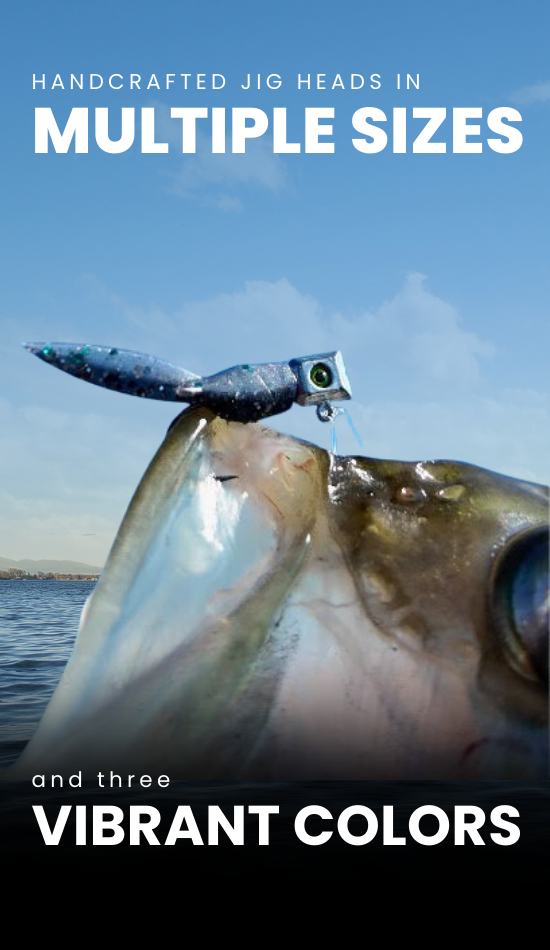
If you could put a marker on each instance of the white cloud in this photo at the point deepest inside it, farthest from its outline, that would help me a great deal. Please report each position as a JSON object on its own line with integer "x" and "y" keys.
{"x": 423, "y": 336}
{"x": 152, "y": 320}
{"x": 212, "y": 177}
{"x": 538, "y": 92}
{"x": 226, "y": 202}
{"x": 66, "y": 478}
{"x": 416, "y": 333}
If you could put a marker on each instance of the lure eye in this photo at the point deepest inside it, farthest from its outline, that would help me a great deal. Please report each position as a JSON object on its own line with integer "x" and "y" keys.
{"x": 521, "y": 602}
{"x": 320, "y": 375}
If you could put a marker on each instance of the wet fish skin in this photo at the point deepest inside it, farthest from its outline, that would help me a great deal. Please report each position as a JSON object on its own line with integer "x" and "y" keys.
{"x": 309, "y": 617}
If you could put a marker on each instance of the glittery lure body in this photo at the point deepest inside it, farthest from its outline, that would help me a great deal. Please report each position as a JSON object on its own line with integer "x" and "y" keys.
{"x": 244, "y": 393}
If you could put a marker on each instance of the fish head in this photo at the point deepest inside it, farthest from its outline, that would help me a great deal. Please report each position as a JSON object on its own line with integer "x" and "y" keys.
{"x": 450, "y": 562}
{"x": 272, "y": 611}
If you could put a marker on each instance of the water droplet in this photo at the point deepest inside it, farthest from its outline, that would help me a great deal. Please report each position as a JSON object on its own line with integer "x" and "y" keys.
{"x": 47, "y": 351}
{"x": 407, "y": 494}
{"x": 113, "y": 352}
{"x": 451, "y": 492}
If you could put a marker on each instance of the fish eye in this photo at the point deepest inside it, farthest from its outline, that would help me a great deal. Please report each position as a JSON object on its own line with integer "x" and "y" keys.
{"x": 521, "y": 602}
{"x": 320, "y": 375}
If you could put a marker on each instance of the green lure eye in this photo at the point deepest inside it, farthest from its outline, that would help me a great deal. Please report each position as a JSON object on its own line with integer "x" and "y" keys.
{"x": 320, "y": 375}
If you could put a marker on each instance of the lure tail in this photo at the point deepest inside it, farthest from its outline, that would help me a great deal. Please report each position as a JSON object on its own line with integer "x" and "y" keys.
{"x": 122, "y": 370}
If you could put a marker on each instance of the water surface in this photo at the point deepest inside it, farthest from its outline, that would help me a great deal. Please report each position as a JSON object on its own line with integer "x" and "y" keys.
{"x": 38, "y": 625}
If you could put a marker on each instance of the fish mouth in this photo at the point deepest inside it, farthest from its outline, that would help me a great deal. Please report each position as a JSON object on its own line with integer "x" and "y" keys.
{"x": 270, "y": 611}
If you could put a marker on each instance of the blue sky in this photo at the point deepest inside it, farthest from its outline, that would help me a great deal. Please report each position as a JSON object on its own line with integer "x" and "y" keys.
{"x": 429, "y": 272}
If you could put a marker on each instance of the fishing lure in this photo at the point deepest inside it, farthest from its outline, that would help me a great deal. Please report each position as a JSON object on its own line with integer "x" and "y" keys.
{"x": 241, "y": 393}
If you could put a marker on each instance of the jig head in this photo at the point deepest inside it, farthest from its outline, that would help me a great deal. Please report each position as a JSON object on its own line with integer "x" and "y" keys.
{"x": 242, "y": 393}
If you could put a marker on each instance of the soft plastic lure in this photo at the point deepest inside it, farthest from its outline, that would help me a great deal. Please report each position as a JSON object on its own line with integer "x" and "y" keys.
{"x": 242, "y": 393}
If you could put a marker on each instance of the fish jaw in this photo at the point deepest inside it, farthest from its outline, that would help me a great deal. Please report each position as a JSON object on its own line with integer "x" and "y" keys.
{"x": 270, "y": 611}
{"x": 211, "y": 542}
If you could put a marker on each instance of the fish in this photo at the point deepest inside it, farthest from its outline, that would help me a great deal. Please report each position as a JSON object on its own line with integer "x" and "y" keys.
{"x": 273, "y": 611}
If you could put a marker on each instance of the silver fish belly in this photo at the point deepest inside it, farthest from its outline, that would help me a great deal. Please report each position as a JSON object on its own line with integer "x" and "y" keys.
{"x": 271, "y": 611}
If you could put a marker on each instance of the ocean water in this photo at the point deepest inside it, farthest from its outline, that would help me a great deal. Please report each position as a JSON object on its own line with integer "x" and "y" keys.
{"x": 38, "y": 625}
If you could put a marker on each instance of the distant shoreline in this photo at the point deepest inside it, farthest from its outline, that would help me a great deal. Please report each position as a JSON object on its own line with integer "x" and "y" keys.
{"x": 51, "y": 577}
